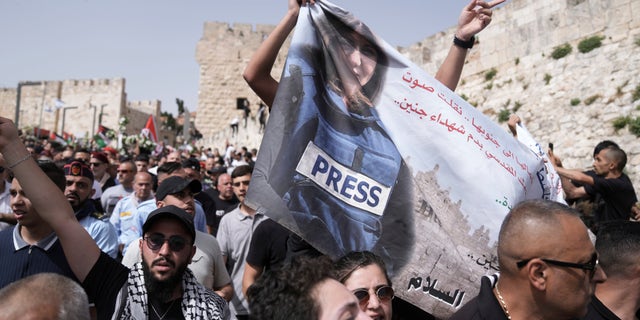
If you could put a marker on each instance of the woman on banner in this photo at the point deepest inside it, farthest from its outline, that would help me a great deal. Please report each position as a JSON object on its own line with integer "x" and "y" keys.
{"x": 338, "y": 172}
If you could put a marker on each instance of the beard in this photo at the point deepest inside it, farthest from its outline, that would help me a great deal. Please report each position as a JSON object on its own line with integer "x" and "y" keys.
{"x": 162, "y": 290}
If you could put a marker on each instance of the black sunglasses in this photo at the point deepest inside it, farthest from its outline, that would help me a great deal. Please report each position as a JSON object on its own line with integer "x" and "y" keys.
{"x": 156, "y": 241}
{"x": 590, "y": 266}
{"x": 384, "y": 293}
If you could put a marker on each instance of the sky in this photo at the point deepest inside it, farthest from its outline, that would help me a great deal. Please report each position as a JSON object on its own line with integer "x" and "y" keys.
{"x": 152, "y": 43}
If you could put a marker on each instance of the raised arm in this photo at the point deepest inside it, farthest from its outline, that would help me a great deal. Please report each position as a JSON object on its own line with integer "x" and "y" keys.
{"x": 80, "y": 249}
{"x": 569, "y": 175}
{"x": 474, "y": 18}
{"x": 258, "y": 71}
{"x": 514, "y": 120}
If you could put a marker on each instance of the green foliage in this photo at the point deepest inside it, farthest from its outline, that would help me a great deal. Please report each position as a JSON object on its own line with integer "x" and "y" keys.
{"x": 170, "y": 122}
{"x": 590, "y": 43}
{"x": 636, "y": 94}
{"x": 503, "y": 115}
{"x": 516, "y": 106}
{"x": 547, "y": 78}
{"x": 634, "y": 126}
{"x": 464, "y": 97}
{"x": 490, "y": 74}
{"x": 592, "y": 99}
{"x": 517, "y": 61}
{"x": 632, "y": 123}
{"x": 488, "y": 86}
{"x": 637, "y": 42}
{"x": 575, "y": 102}
{"x": 561, "y": 51}
{"x": 620, "y": 122}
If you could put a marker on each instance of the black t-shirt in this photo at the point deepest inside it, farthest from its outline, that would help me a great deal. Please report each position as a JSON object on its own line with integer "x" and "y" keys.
{"x": 484, "y": 306}
{"x": 165, "y": 310}
{"x": 268, "y": 247}
{"x": 208, "y": 205}
{"x": 222, "y": 207}
{"x": 598, "y": 311}
{"x": 613, "y": 198}
{"x": 104, "y": 282}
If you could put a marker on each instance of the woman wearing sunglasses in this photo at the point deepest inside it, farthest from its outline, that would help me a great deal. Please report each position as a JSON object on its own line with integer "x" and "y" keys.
{"x": 365, "y": 274}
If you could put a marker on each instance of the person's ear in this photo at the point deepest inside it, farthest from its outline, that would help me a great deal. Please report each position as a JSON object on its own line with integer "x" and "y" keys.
{"x": 538, "y": 273}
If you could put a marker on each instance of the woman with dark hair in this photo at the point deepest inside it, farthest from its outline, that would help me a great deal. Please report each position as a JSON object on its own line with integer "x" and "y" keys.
{"x": 365, "y": 274}
{"x": 304, "y": 289}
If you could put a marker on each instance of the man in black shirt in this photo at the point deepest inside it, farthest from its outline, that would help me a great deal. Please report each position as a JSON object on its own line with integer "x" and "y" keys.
{"x": 225, "y": 201}
{"x": 612, "y": 189}
{"x": 548, "y": 267}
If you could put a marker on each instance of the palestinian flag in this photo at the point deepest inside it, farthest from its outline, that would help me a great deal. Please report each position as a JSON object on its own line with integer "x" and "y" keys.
{"x": 101, "y": 138}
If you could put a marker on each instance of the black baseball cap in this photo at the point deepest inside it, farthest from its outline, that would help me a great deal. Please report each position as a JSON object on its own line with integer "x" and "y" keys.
{"x": 170, "y": 212}
{"x": 176, "y": 184}
{"x": 217, "y": 170}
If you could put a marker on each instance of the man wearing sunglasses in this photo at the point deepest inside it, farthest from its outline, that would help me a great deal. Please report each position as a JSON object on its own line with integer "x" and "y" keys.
{"x": 207, "y": 264}
{"x": 548, "y": 267}
{"x": 118, "y": 292}
{"x": 618, "y": 244}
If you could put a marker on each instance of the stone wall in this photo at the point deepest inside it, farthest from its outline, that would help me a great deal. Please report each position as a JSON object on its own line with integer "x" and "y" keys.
{"x": 88, "y": 103}
{"x": 223, "y": 52}
{"x": 517, "y": 44}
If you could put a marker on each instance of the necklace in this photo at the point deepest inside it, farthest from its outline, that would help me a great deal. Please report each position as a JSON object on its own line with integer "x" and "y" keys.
{"x": 502, "y": 303}
{"x": 165, "y": 312}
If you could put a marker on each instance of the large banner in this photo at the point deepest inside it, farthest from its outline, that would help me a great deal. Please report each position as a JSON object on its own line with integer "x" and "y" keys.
{"x": 365, "y": 151}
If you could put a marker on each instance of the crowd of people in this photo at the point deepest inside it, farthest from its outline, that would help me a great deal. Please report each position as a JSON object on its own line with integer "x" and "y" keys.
{"x": 90, "y": 233}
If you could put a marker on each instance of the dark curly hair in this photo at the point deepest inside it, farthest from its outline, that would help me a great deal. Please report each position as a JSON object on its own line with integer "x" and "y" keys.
{"x": 287, "y": 293}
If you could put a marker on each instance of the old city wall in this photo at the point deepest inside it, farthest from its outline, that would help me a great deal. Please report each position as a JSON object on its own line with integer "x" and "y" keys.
{"x": 84, "y": 101}
{"x": 88, "y": 103}
{"x": 223, "y": 52}
{"x": 517, "y": 45}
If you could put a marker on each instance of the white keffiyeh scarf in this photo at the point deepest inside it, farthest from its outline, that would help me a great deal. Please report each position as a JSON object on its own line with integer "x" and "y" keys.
{"x": 198, "y": 302}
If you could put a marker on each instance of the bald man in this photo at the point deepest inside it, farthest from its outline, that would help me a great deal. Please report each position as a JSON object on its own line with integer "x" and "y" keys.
{"x": 548, "y": 267}
{"x": 44, "y": 296}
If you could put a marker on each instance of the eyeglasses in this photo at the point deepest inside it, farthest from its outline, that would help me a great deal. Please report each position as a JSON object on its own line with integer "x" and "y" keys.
{"x": 156, "y": 241}
{"x": 95, "y": 164}
{"x": 244, "y": 183}
{"x": 590, "y": 266}
{"x": 384, "y": 293}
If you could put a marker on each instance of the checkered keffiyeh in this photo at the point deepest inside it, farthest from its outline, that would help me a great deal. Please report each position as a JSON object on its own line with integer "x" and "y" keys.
{"x": 198, "y": 302}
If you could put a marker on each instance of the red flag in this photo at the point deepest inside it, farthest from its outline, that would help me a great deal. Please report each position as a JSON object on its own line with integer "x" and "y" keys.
{"x": 150, "y": 129}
